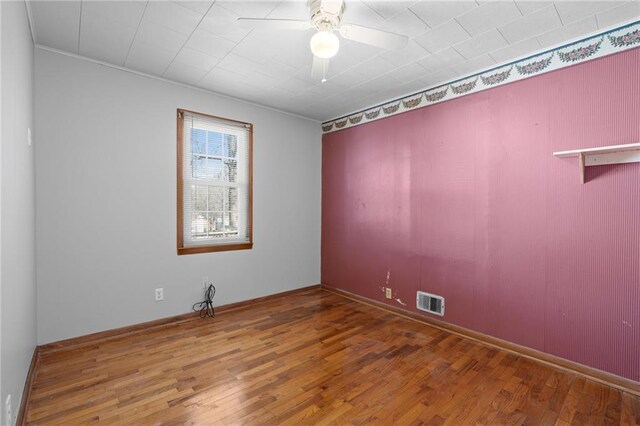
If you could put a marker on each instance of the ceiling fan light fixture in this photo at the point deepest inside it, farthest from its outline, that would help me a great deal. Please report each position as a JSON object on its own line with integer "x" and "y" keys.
{"x": 324, "y": 44}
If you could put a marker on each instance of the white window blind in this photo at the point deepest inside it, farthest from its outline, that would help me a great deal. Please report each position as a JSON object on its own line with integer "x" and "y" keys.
{"x": 216, "y": 179}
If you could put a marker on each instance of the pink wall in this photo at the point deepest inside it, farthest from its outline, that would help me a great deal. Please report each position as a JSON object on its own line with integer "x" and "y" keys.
{"x": 464, "y": 199}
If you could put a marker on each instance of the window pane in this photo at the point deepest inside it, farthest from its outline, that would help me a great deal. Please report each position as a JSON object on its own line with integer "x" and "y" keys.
{"x": 210, "y": 221}
{"x": 217, "y": 224}
{"x": 198, "y": 141}
{"x": 232, "y": 200}
{"x": 199, "y": 197}
{"x": 230, "y": 222}
{"x": 199, "y": 225}
{"x": 230, "y": 146}
{"x": 231, "y": 167}
{"x": 216, "y": 198}
{"x": 214, "y": 146}
{"x": 197, "y": 166}
{"x": 215, "y": 169}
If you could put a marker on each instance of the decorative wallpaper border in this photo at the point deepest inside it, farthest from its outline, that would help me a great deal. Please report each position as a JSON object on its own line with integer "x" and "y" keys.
{"x": 597, "y": 46}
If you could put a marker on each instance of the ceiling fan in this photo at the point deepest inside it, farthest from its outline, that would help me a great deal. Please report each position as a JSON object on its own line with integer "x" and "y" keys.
{"x": 326, "y": 17}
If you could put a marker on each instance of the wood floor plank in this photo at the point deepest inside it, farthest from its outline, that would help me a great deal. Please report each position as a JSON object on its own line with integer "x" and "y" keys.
{"x": 310, "y": 358}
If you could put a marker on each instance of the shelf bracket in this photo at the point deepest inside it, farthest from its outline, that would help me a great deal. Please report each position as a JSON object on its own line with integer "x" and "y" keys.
{"x": 613, "y": 154}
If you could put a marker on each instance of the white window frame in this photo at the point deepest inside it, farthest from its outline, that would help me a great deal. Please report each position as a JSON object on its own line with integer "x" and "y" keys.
{"x": 187, "y": 244}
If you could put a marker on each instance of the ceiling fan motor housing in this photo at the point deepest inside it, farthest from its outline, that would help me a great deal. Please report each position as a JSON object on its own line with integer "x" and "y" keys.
{"x": 325, "y": 14}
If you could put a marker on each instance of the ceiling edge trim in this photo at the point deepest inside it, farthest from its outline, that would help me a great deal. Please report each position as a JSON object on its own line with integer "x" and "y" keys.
{"x": 601, "y": 44}
{"x": 166, "y": 80}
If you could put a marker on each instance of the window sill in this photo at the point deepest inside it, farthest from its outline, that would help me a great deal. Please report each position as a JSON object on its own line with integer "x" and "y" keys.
{"x": 210, "y": 249}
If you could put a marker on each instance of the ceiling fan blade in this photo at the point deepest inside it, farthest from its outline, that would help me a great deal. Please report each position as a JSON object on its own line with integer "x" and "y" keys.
{"x": 275, "y": 24}
{"x": 320, "y": 68}
{"x": 377, "y": 38}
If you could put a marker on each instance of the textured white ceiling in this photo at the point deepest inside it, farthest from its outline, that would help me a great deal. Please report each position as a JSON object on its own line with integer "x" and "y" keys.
{"x": 200, "y": 43}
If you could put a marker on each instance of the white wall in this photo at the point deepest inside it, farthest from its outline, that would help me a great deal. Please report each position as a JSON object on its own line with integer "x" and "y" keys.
{"x": 18, "y": 277}
{"x": 106, "y": 200}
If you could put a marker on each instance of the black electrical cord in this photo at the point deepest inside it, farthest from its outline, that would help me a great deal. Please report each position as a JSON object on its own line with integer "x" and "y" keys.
{"x": 206, "y": 306}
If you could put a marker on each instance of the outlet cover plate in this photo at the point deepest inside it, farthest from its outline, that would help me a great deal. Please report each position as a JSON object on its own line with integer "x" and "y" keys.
{"x": 387, "y": 293}
{"x": 159, "y": 294}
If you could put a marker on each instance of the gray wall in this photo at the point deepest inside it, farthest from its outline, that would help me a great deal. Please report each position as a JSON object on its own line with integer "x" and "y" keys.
{"x": 106, "y": 196}
{"x": 18, "y": 203}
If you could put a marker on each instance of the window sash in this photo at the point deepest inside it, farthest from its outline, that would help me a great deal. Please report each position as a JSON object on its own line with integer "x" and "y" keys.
{"x": 189, "y": 239}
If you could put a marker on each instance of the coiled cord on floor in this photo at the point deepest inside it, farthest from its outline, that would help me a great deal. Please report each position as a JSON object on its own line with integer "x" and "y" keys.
{"x": 206, "y": 306}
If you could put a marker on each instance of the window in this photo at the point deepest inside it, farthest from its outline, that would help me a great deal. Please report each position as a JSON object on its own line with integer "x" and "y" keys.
{"x": 214, "y": 183}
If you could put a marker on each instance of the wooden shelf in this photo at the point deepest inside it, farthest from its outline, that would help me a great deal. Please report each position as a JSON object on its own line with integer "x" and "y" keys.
{"x": 612, "y": 154}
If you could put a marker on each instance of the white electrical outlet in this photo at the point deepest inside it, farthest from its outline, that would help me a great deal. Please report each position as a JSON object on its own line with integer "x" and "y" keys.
{"x": 8, "y": 417}
{"x": 29, "y": 140}
{"x": 205, "y": 282}
{"x": 159, "y": 294}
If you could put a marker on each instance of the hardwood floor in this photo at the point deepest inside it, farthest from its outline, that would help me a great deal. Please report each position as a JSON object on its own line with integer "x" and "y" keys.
{"x": 310, "y": 358}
